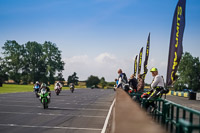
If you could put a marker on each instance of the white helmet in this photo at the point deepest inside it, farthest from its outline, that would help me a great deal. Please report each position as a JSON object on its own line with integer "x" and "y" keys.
{"x": 37, "y": 82}
{"x": 43, "y": 85}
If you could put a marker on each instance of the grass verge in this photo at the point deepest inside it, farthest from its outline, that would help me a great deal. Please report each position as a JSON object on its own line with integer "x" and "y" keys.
{"x": 13, "y": 88}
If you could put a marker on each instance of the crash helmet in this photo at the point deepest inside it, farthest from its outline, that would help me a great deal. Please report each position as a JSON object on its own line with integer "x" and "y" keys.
{"x": 43, "y": 85}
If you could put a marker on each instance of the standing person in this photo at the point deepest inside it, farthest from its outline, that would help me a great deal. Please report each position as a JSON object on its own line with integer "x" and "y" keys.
{"x": 140, "y": 85}
{"x": 122, "y": 81}
{"x": 115, "y": 86}
{"x": 157, "y": 86}
{"x": 133, "y": 83}
{"x": 116, "y": 81}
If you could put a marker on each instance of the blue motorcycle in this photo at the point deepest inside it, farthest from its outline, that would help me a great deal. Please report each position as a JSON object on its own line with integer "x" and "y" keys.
{"x": 36, "y": 90}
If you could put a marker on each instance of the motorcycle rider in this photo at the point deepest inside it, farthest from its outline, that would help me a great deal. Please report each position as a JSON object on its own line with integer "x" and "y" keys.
{"x": 71, "y": 85}
{"x": 36, "y": 88}
{"x": 122, "y": 81}
{"x": 157, "y": 87}
{"x": 59, "y": 85}
{"x": 36, "y": 85}
{"x": 47, "y": 88}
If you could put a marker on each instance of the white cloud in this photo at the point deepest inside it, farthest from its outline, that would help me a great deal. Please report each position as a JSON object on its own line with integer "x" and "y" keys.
{"x": 103, "y": 65}
{"x": 77, "y": 59}
{"x": 105, "y": 58}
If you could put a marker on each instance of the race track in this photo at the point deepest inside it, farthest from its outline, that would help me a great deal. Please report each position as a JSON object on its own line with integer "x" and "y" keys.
{"x": 83, "y": 111}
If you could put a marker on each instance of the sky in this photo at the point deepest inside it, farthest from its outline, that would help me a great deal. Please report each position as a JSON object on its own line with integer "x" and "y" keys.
{"x": 97, "y": 37}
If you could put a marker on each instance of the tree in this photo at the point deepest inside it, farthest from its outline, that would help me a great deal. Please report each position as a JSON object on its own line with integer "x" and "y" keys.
{"x": 188, "y": 73}
{"x": 102, "y": 82}
{"x": 3, "y": 74}
{"x": 111, "y": 84}
{"x": 52, "y": 57}
{"x": 92, "y": 81}
{"x": 13, "y": 59}
{"x": 32, "y": 61}
{"x": 60, "y": 77}
{"x": 73, "y": 79}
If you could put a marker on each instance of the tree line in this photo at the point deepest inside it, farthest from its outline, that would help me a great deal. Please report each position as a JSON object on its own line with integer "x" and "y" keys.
{"x": 31, "y": 62}
{"x": 92, "y": 81}
{"x": 188, "y": 73}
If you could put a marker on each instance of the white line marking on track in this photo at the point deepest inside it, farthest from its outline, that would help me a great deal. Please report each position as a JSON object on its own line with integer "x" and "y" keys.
{"x": 50, "y": 114}
{"x": 93, "y": 104}
{"x": 107, "y": 118}
{"x": 58, "y": 108}
{"x": 16, "y": 101}
{"x": 50, "y": 127}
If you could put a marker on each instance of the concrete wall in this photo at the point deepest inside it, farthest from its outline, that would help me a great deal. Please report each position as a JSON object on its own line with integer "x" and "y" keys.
{"x": 128, "y": 117}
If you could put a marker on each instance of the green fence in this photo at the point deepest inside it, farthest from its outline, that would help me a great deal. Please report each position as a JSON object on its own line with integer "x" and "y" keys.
{"x": 174, "y": 117}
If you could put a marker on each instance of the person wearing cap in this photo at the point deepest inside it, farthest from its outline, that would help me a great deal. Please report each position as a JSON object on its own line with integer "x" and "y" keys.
{"x": 158, "y": 80}
{"x": 157, "y": 86}
{"x": 122, "y": 81}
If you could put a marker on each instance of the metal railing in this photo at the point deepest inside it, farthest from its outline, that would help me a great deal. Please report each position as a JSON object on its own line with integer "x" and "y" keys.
{"x": 174, "y": 117}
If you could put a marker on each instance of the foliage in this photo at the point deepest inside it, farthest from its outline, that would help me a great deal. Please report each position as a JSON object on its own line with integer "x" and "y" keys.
{"x": 60, "y": 77}
{"x": 73, "y": 79}
{"x": 111, "y": 84}
{"x": 13, "y": 59}
{"x": 3, "y": 74}
{"x": 32, "y": 61}
{"x": 102, "y": 82}
{"x": 52, "y": 58}
{"x": 188, "y": 73}
{"x": 92, "y": 81}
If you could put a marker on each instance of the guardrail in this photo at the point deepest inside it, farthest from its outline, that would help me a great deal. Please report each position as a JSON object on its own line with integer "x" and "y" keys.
{"x": 174, "y": 117}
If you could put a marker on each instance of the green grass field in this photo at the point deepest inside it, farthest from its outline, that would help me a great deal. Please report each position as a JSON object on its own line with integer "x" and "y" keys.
{"x": 13, "y": 88}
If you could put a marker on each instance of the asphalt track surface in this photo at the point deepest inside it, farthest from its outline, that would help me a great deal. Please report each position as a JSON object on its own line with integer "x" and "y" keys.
{"x": 83, "y": 111}
{"x": 193, "y": 104}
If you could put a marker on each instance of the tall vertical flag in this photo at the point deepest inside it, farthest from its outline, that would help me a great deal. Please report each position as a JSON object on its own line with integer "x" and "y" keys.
{"x": 147, "y": 56}
{"x": 176, "y": 48}
{"x": 140, "y": 60}
{"x": 135, "y": 66}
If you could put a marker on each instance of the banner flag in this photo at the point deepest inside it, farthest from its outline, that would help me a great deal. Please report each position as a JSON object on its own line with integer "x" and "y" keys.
{"x": 140, "y": 60}
{"x": 147, "y": 56}
{"x": 176, "y": 48}
{"x": 135, "y": 66}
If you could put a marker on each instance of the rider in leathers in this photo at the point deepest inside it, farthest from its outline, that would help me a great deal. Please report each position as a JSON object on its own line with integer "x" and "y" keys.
{"x": 157, "y": 86}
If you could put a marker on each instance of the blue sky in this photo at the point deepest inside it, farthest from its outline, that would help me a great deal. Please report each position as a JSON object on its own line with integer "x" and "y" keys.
{"x": 99, "y": 36}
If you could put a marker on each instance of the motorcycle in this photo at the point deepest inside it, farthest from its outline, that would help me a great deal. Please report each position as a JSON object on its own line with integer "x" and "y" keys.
{"x": 72, "y": 88}
{"x": 57, "y": 90}
{"x": 36, "y": 90}
{"x": 44, "y": 97}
